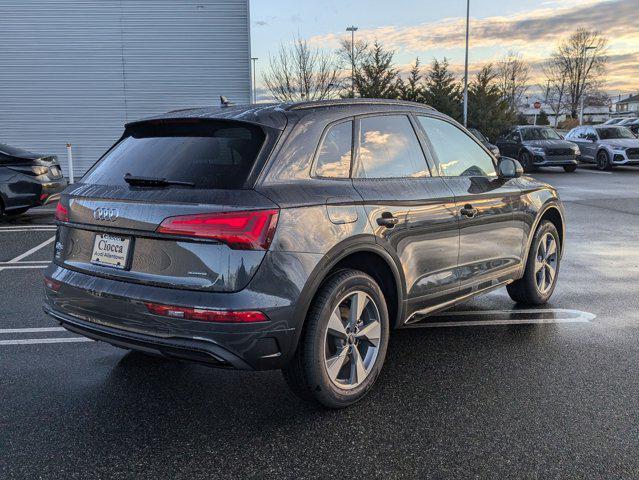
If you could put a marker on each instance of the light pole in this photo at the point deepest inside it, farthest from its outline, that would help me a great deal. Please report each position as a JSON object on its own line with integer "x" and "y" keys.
{"x": 466, "y": 65}
{"x": 352, "y": 29}
{"x": 583, "y": 93}
{"x": 254, "y": 59}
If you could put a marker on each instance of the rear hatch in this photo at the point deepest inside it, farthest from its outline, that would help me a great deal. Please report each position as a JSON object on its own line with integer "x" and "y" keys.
{"x": 172, "y": 204}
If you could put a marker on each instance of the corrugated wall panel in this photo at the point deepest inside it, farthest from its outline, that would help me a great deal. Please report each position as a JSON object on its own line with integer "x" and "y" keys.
{"x": 76, "y": 71}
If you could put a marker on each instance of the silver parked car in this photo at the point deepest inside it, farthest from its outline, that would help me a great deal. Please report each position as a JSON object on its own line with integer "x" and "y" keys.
{"x": 606, "y": 145}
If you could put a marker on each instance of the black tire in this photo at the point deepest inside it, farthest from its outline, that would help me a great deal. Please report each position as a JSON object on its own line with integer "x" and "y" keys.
{"x": 603, "y": 160}
{"x": 526, "y": 290}
{"x": 16, "y": 212}
{"x": 526, "y": 160}
{"x": 570, "y": 168}
{"x": 307, "y": 373}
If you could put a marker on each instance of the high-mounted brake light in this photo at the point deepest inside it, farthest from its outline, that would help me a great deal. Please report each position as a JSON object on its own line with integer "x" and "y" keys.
{"x": 61, "y": 213}
{"x": 201, "y": 314}
{"x": 248, "y": 230}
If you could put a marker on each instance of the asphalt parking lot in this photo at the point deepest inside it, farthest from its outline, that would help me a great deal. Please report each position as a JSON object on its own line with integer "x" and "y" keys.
{"x": 484, "y": 391}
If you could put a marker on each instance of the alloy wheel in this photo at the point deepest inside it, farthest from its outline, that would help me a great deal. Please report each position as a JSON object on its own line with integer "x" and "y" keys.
{"x": 546, "y": 263}
{"x": 602, "y": 160}
{"x": 352, "y": 340}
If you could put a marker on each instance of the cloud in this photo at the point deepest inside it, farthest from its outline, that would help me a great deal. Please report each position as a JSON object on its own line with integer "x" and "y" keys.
{"x": 617, "y": 18}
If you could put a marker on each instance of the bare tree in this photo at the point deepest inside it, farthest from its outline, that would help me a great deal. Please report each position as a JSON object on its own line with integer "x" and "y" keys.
{"x": 582, "y": 58}
{"x": 513, "y": 75}
{"x": 299, "y": 72}
{"x": 556, "y": 88}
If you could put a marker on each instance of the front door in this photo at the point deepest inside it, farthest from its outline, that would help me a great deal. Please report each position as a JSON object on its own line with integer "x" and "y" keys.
{"x": 584, "y": 139}
{"x": 490, "y": 242}
{"x": 411, "y": 212}
{"x": 509, "y": 143}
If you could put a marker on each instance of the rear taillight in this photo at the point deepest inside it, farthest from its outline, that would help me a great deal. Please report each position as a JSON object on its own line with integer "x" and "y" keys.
{"x": 52, "y": 284}
{"x": 61, "y": 213}
{"x": 252, "y": 230}
{"x": 204, "y": 315}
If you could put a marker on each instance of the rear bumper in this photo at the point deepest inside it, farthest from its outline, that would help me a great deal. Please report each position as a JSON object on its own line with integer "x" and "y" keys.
{"x": 190, "y": 349}
{"x": 115, "y": 312}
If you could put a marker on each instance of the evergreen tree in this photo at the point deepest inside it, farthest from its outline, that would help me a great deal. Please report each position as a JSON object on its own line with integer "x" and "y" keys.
{"x": 412, "y": 89}
{"x": 488, "y": 111}
{"x": 442, "y": 91}
{"x": 542, "y": 118}
{"x": 376, "y": 76}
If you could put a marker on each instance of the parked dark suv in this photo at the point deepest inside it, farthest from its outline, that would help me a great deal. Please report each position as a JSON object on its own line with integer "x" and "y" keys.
{"x": 27, "y": 180}
{"x": 295, "y": 236}
{"x": 537, "y": 147}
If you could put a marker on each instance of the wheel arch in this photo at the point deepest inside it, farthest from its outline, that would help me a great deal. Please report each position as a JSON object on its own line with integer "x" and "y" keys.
{"x": 364, "y": 255}
{"x": 553, "y": 213}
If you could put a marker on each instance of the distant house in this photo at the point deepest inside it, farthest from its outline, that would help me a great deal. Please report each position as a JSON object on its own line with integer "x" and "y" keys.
{"x": 627, "y": 107}
{"x": 592, "y": 114}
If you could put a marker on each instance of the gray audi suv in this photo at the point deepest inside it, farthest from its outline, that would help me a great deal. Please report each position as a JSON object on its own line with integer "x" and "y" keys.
{"x": 295, "y": 237}
{"x": 606, "y": 146}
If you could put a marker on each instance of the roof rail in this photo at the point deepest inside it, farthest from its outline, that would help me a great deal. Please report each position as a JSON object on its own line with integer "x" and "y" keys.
{"x": 354, "y": 101}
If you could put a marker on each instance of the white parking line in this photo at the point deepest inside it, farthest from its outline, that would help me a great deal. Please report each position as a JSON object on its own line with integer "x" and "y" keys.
{"x": 28, "y": 228}
{"x": 561, "y": 316}
{"x": 594, "y": 171}
{"x": 32, "y": 330}
{"x": 34, "y": 341}
{"x": 15, "y": 266}
{"x": 31, "y": 251}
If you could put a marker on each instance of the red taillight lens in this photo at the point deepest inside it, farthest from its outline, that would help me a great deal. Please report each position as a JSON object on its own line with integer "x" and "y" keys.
{"x": 61, "y": 213}
{"x": 252, "y": 230}
{"x": 219, "y": 316}
{"x": 52, "y": 284}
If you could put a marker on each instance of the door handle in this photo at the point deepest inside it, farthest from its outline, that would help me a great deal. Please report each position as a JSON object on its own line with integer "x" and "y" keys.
{"x": 468, "y": 211}
{"x": 387, "y": 220}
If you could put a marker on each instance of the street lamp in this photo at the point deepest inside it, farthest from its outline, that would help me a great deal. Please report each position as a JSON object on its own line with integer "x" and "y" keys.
{"x": 466, "y": 65}
{"x": 254, "y": 59}
{"x": 583, "y": 93}
{"x": 352, "y": 29}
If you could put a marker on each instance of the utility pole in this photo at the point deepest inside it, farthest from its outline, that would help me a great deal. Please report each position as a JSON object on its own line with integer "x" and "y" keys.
{"x": 352, "y": 29}
{"x": 254, "y": 59}
{"x": 466, "y": 65}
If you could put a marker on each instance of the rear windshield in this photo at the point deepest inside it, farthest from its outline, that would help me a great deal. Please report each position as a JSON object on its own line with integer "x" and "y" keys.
{"x": 206, "y": 154}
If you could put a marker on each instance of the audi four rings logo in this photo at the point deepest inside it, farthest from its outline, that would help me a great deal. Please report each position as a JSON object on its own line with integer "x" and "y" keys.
{"x": 106, "y": 214}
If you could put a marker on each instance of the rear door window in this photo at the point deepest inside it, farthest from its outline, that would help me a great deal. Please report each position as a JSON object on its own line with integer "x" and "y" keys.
{"x": 389, "y": 148}
{"x": 206, "y": 154}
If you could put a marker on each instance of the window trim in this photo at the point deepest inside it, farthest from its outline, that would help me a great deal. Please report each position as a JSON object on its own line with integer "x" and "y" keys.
{"x": 327, "y": 128}
{"x": 458, "y": 127}
{"x": 428, "y": 159}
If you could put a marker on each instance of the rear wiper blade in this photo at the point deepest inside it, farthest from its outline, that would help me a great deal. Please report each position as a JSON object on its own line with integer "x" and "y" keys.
{"x": 153, "y": 181}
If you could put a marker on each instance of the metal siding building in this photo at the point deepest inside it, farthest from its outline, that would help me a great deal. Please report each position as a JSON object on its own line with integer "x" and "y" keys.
{"x": 74, "y": 71}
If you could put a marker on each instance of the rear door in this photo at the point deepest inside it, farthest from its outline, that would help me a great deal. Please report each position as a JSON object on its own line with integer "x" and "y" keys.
{"x": 194, "y": 234}
{"x": 490, "y": 241}
{"x": 411, "y": 212}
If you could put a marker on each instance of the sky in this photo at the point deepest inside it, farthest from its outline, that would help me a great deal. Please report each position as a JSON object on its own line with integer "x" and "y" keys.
{"x": 433, "y": 29}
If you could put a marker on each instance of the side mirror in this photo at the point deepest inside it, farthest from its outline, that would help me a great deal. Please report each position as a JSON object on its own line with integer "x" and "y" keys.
{"x": 510, "y": 168}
